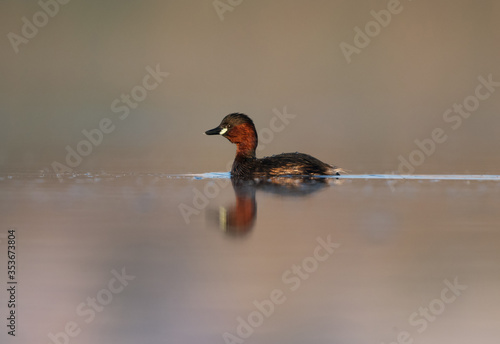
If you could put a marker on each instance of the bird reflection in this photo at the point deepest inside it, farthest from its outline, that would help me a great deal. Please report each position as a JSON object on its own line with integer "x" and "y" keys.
{"x": 239, "y": 218}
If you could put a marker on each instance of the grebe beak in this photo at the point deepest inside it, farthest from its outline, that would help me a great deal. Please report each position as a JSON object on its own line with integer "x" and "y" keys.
{"x": 216, "y": 131}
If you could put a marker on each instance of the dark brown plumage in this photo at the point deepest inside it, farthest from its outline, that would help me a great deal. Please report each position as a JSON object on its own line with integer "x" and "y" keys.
{"x": 240, "y": 130}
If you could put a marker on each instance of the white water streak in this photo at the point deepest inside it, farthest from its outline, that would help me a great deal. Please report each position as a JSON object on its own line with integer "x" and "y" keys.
{"x": 368, "y": 176}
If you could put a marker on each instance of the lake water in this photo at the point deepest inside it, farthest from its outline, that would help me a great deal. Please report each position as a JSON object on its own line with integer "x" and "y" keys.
{"x": 155, "y": 258}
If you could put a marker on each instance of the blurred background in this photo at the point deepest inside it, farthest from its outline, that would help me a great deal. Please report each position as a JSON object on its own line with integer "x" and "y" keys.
{"x": 128, "y": 86}
{"x": 253, "y": 57}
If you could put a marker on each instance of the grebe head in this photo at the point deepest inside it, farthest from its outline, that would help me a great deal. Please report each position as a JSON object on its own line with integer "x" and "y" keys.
{"x": 239, "y": 129}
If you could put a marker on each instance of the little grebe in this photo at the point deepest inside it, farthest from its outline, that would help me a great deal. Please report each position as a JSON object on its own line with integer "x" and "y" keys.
{"x": 239, "y": 129}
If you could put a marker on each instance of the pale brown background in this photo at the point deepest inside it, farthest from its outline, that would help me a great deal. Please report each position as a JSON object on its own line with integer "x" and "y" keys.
{"x": 264, "y": 55}
{"x": 399, "y": 241}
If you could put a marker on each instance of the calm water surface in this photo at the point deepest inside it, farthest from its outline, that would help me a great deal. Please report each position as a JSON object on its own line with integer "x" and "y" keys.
{"x": 110, "y": 258}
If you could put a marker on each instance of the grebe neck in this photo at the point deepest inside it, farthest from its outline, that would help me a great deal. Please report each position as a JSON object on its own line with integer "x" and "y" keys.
{"x": 246, "y": 140}
{"x": 246, "y": 149}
